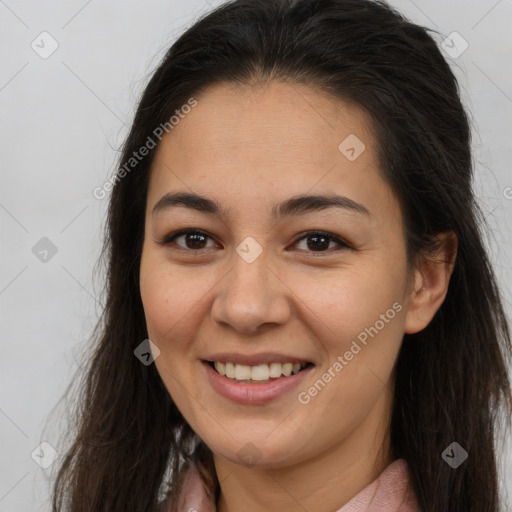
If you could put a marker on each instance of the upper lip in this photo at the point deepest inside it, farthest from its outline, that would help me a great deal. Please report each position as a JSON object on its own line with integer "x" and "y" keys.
{"x": 255, "y": 359}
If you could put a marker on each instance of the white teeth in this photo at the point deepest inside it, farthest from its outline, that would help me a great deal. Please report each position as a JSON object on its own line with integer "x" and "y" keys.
{"x": 276, "y": 369}
{"x": 260, "y": 372}
{"x": 287, "y": 369}
{"x": 242, "y": 372}
{"x": 230, "y": 370}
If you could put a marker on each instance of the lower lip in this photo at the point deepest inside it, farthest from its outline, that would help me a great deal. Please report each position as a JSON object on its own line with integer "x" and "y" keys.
{"x": 257, "y": 393}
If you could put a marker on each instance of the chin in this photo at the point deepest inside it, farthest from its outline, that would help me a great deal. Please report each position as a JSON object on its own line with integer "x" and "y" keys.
{"x": 257, "y": 452}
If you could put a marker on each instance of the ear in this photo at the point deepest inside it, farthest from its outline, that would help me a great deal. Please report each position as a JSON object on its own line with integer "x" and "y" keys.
{"x": 430, "y": 284}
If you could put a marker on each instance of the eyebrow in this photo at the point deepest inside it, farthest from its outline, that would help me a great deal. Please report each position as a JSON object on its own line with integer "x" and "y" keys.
{"x": 297, "y": 205}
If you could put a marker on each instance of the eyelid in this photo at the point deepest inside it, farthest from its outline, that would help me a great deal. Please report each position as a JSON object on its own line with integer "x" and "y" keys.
{"x": 334, "y": 238}
{"x": 342, "y": 243}
{"x": 168, "y": 239}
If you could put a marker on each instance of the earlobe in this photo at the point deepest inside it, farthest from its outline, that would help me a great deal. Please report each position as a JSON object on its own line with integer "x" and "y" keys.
{"x": 431, "y": 281}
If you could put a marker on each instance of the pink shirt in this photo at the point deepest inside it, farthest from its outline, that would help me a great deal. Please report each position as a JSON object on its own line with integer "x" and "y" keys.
{"x": 391, "y": 491}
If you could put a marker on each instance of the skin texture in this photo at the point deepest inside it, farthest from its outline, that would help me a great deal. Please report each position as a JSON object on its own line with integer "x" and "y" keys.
{"x": 249, "y": 148}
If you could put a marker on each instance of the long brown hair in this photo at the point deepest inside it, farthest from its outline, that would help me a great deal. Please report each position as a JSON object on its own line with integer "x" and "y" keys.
{"x": 129, "y": 440}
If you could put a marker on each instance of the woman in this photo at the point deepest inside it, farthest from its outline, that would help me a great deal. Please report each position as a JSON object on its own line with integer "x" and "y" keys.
{"x": 293, "y": 227}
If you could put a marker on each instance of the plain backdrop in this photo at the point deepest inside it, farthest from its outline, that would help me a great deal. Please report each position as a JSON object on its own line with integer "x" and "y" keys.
{"x": 63, "y": 118}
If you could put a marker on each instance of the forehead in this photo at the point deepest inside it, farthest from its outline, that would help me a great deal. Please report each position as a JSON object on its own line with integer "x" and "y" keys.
{"x": 273, "y": 115}
{"x": 274, "y": 139}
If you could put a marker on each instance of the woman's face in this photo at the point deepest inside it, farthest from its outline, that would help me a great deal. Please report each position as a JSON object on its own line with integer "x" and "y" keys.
{"x": 259, "y": 285}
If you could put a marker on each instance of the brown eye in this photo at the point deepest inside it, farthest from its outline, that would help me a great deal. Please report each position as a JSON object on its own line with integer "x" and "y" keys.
{"x": 193, "y": 240}
{"x": 197, "y": 240}
{"x": 319, "y": 241}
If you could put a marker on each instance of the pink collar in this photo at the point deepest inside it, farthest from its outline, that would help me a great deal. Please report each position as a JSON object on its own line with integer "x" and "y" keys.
{"x": 391, "y": 491}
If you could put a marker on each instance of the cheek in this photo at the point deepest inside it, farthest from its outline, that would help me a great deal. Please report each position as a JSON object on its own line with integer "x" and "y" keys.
{"x": 166, "y": 297}
{"x": 342, "y": 306}
{"x": 175, "y": 301}
{"x": 171, "y": 305}
{"x": 159, "y": 303}
{"x": 359, "y": 319}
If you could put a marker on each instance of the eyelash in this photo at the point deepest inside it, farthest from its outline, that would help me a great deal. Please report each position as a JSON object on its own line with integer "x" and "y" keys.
{"x": 169, "y": 239}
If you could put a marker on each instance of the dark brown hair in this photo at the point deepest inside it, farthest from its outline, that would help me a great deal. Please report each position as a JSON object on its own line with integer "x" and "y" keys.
{"x": 129, "y": 439}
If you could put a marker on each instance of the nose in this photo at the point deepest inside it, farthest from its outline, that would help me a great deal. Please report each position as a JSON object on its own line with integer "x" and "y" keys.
{"x": 250, "y": 295}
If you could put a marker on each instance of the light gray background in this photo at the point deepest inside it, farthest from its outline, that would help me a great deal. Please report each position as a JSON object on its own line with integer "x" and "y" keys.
{"x": 63, "y": 119}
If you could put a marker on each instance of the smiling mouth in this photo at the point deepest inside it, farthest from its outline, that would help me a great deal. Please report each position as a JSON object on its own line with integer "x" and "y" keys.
{"x": 262, "y": 373}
